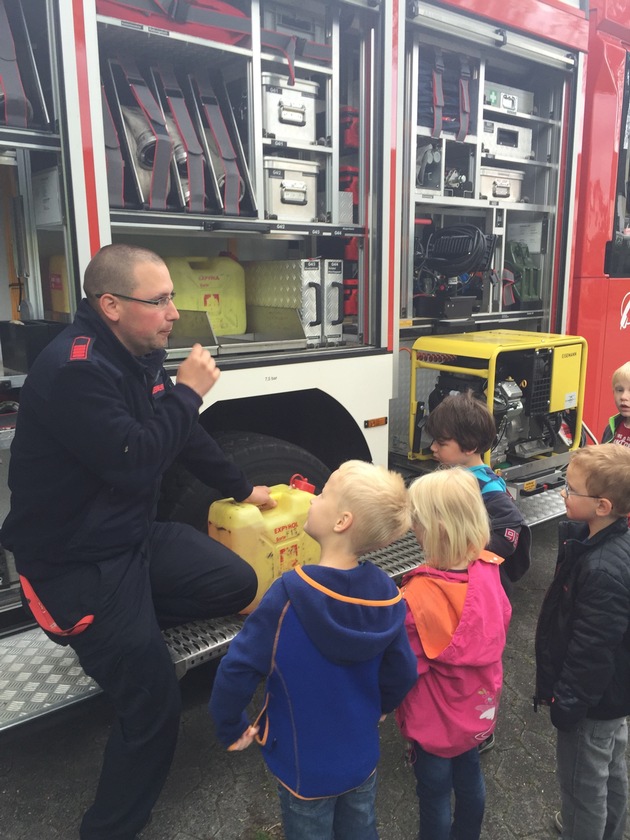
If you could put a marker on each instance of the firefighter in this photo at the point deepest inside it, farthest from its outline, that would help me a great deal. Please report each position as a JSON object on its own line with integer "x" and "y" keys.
{"x": 99, "y": 422}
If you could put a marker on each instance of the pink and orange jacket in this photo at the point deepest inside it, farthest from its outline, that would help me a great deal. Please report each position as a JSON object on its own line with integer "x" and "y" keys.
{"x": 457, "y": 625}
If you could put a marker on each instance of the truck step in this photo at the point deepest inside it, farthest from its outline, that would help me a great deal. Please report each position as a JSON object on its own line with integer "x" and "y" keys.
{"x": 38, "y": 676}
{"x": 542, "y": 507}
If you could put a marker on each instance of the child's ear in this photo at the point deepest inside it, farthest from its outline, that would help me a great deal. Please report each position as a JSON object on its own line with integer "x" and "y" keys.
{"x": 604, "y": 507}
{"x": 343, "y": 522}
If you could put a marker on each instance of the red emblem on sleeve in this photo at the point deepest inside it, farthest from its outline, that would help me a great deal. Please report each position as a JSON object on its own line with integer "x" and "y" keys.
{"x": 80, "y": 348}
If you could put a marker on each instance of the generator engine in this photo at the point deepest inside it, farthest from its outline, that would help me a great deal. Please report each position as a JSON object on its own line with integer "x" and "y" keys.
{"x": 532, "y": 386}
{"x": 519, "y": 434}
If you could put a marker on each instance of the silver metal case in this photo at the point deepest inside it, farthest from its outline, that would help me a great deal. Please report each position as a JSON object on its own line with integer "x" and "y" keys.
{"x": 500, "y": 184}
{"x": 508, "y": 99}
{"x": 333, "y": 301}
{"x": 289, "y": 110}
{"x": 289, "y": 284}
{"x": 299, "y": 22}
{"x": 290, "y": 189}
{"x": 506, "y": 141}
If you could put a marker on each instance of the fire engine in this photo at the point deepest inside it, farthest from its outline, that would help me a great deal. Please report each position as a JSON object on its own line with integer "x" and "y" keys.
{"x": 363, "y": 204}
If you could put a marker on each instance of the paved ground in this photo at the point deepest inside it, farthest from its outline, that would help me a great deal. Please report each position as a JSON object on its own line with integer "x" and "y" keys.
{"x": 48, "y": 770}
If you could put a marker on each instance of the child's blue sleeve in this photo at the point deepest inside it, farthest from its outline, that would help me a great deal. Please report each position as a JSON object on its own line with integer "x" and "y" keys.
{"x": 246, "y": 663}
{"x": 398, "y": 672}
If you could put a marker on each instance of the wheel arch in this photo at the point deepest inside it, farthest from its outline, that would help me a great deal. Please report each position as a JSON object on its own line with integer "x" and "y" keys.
{"x": 310, "y": 419}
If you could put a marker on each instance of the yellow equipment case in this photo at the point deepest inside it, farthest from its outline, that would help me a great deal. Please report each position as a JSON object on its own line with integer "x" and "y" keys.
{"x": 533, "y": 384}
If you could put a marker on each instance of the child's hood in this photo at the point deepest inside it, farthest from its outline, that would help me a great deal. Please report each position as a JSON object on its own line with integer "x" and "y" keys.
{"x": 351, "y": 615}
{"x": 468, "y": 630}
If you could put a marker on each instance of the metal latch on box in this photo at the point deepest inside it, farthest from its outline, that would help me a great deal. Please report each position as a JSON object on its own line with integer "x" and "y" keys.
{"x": 290, "y": 113}
{"x": 293, "y": 192}
{"x": 501, "y": 188}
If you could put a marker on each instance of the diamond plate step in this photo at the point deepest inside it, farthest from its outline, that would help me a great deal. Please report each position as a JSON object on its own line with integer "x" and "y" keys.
{"x": 38, "y": 677}
{"x": 542, "y": 507}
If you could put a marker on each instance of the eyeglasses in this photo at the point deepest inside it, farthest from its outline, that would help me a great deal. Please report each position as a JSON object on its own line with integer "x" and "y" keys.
{"x": 569, "y": 492}
{"x": 161, "y": 302}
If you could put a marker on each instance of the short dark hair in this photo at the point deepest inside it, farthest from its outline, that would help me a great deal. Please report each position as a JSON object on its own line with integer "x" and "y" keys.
{"x": 466, "y": 420}
{"x": 111, "y": 269}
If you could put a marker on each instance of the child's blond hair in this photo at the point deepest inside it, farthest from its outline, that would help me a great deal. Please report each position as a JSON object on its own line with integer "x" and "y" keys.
{"x": 621, "y": 374}
{"x": 606, "y": 470}
{"x": 449, "y": 510}
{"x": 378, "y": 501}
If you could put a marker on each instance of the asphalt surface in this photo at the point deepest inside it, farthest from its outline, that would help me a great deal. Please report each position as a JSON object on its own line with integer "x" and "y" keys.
{"x": 48, "y": 770}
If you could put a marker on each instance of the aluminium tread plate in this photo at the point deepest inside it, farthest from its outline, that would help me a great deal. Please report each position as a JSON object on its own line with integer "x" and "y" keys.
{"x": 542, "y": 507}
{"x": 38, "y": 676}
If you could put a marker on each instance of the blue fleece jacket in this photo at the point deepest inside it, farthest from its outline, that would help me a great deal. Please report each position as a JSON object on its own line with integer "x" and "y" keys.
{"x": 335, "y": 653}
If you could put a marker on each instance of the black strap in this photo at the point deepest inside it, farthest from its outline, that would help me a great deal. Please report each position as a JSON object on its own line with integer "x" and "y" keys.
{"x": 163, "y": 144}
{"x": 113, "y": 156}
{"x": 224, "y": 145}
{"x": 16, "y": 105}
{"x": 194, "y": 152}
{"x": 464, "y": 98}
{"x": 438, "y": 92}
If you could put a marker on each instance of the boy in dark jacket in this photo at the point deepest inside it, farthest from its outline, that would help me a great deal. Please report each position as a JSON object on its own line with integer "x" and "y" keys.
{"x": 583, "y": 645}
{"x": 618, "y": 427}
{"x": 463, "y": 428}
{"x": 331, "y": 642}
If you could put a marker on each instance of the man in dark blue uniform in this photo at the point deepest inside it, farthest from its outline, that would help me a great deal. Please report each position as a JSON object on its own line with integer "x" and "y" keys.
{"x": 99, "y": 422}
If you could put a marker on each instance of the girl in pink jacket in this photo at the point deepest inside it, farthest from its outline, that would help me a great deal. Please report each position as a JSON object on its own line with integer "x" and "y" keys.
{"x": 457, "y": 620}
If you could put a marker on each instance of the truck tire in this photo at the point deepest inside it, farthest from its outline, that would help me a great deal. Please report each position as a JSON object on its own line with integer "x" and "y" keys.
{"x": 263, "y": 459}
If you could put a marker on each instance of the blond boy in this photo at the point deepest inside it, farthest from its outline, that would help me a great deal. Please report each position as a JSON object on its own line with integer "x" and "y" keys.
{"x": 331, "y": 643}
{"x": 583, "y": 645}
{"x": 618, "y": 428}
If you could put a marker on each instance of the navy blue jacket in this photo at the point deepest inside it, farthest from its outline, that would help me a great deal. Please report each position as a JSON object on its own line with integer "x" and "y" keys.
{"x": 95, "y": 431}
{"x": 334, "y": 649}
{"x": 583, "y": 633}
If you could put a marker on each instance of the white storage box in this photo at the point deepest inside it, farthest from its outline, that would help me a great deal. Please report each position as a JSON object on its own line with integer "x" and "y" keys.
{"x": 290, "y": 189}
{"x": 508, "y": 99}
{"x": 500, "y": 184}
{"x": 503, "y": 140}
{"x": 289, "y": 110}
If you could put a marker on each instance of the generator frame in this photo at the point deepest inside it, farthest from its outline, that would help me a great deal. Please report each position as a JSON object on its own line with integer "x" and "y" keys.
{"x": 534, "y": 483}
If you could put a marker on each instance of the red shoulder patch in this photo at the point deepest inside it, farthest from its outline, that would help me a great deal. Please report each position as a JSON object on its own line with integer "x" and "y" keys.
{"x": 80, "y": 349}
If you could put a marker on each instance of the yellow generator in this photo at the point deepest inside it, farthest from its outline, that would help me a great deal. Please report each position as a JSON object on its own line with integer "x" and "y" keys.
{"x": 533, "y": 384}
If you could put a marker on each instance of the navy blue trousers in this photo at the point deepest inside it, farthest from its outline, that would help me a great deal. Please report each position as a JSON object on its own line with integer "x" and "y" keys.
{"x": 178, "y": 575}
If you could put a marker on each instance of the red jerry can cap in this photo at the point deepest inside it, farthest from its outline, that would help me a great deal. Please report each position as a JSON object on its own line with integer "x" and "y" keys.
{"x": 298, "y": 482}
